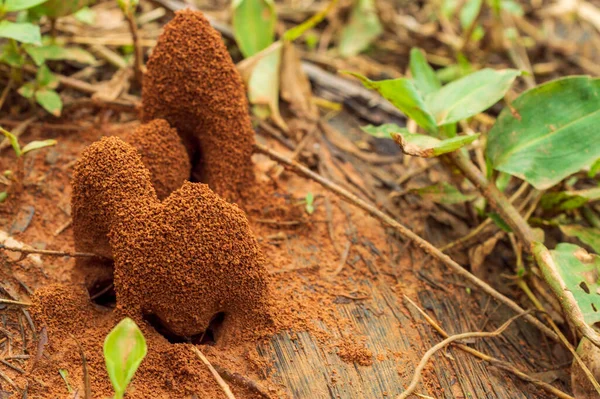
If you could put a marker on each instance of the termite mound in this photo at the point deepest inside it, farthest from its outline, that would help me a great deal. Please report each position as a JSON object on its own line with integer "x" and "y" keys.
{"x": 182, "y": 260}
{"x": 192, "y": 83}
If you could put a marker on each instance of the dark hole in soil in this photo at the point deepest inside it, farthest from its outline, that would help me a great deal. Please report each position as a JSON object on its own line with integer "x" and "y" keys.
{"x": 103, "y": 294}
{"x": 208, "y": 337}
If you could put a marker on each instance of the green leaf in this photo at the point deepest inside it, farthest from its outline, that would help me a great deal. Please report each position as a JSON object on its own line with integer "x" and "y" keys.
{"x": 36, "y": 145}
{"x": 264, "y": 83}
{"x": 55, "y": 52}
{"x": 569, "y": 200}
{"x": 49, "y": 100}
{"x": 3, "y": 196}
{"x": 124, "y": 349}
{"x": 497, "y": 219}
{"x": 27, "y": 90}
{"x": 470, "y": 95}
{"x": 22, "y": 32}
{"x": 469, "y": 12}
{"x": 45, "y": 78}
{"x": 10, "y": 55}
{"x": 128, "y": 6}
{"x": 86, "y": 16}
{"x": 19, "y": 5}
{"x": 595, "y": 168}
{"x": 443, "y": 193}
{"x": 310, "y": 207}
{"x": 580, "y": 270}
{"x": 59, "y": 8}
{"x": 361, "y": 30}
{"x": 588, "y": 235}
{"x": 65, "y": 376}
{"x": 253, "y": 25}
{"x": 419, "y": 145}
{"x": 403, "y": 94}
{"x": 12, "y": 139}
{"x": 425, "y": 78}
{"x": 550, "y": 133}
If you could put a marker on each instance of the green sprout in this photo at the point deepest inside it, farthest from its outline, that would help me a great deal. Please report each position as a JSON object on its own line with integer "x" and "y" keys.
{"x": 124, "y": 349}
{"x": 309, "y": 201}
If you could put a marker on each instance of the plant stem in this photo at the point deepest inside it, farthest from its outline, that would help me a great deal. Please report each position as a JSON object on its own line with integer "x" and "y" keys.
{"x": 137, "y": 53}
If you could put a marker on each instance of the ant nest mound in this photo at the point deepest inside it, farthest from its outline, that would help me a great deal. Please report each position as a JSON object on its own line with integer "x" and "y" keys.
{"x": 182, "y": 260}
{"x": 192, "y": 83}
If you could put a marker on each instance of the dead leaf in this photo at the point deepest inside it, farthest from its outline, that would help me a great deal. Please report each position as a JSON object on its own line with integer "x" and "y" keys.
{"x": 295, "y": 86}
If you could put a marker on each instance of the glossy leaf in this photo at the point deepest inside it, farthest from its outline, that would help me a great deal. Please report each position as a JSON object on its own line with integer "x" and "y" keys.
{"x": 361, "y": 30}
{"x": 124, "y": 349}
{"x": 49, "y": 100}
{"x": 579, "y": 271}
{"x": 23, "y": 32}
{"x": 423, "y": 74}
{"x": 443, "y": 193}
{"x": 549, "y": 133}
{"x": 470, "y": 95}
{"x": 419, "y": 145}
{"x": 403, "y": 94}
{"x": 37, "y": 144}
{"x": 253, "y": 25}
{"x": 588, "y": 235}
{"x": 20, "y": 5}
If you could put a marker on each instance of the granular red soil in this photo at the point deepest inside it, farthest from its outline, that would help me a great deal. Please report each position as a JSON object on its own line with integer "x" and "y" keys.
{"x": 192, "y": 83}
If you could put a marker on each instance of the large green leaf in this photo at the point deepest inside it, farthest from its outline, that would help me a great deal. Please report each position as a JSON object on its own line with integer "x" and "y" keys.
{"x": 124, "y": 349}
{"x": 470, "y": 95}
{"x": 580, "y": 272}
{"x": 419, "y": 145}
{"x": 549, "y": 133}
{"x": 20, "y": 5}
{"x": 362, "y": 28}
{"x": 23, "y": 32}
{"x": 404, "y": 95}
{"x": 253, "y": 25}
{"x": 425, "y": 78}
{"x": 588, "y": 235}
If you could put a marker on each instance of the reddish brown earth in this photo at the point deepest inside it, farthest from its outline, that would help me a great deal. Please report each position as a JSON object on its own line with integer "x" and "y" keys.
{"x": 193, "y": 84}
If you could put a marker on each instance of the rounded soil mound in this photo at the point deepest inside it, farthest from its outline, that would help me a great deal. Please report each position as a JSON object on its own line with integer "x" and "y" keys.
{"x": 183, "y": 260}
{"x": 163, "y": 154}
{"x": 193, "y": 84}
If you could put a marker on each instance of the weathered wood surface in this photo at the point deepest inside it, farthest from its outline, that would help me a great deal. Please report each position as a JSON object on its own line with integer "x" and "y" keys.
{"x": 310, "y": 371}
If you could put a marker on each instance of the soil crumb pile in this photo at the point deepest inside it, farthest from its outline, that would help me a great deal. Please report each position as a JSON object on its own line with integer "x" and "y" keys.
{"x": 183, "y": 260}
{"x": 163, "y": 154}
{"x": 193, "y": 84}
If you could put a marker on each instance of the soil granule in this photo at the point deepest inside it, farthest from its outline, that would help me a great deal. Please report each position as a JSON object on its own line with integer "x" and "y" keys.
{"x": 183, "y": 260}
{"x": 192, "y": 83}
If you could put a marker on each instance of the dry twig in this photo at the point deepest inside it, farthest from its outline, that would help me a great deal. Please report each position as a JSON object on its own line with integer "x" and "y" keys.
{"x": 215, "y": 374}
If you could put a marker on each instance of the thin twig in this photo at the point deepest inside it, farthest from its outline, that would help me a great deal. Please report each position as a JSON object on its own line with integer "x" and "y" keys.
{"x": 215, "y": 374}
{"x": 494, "y": 361}
{"x": 477, "y": 334}
{"x": 241, "y": 380}
{"x": 11, "y": 302}
{"x": 28, "y": 251}
{"x": 406, "y": 232}
{"x": 86, "y": 376}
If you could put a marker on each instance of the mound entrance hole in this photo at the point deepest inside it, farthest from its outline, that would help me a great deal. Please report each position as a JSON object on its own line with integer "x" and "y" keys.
{"x": 208, "y": 337}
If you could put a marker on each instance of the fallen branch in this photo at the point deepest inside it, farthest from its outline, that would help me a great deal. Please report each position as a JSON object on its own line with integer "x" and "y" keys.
{"x": 27, "y": 251}
{"x": 406, "y": 232}
{"x": 214, "y": 372}
{"x": 477, "y": 334}
{"x": 492, "y": 360}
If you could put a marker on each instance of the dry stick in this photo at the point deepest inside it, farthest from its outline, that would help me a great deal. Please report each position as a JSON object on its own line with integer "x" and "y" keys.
{"x": 138, "y": 55}
{"x": 478, "y": 334}
{"x": 11, "y": 302}
{"x": 215, "y": 374}
{"x": 494, "y": 361}
{"x": 243, "y": 381}
{"x": 86, "y": 376}
{"x": 27, "y": 251}
{"x": 406, "y": 232}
